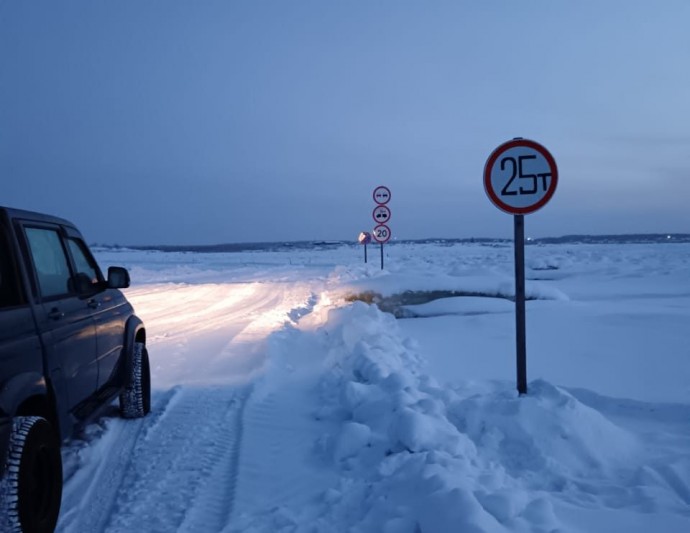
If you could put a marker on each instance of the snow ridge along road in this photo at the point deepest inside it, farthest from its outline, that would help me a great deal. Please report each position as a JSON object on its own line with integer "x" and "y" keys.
{"x": 177, "y": 469}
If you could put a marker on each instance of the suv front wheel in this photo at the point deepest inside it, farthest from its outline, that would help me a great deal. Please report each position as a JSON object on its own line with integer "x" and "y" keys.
{"x": 135, "y": 400}
{"x": 31, "y": 491}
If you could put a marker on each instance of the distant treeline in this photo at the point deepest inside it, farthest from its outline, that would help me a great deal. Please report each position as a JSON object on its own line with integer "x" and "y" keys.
{"x": 231, "y": 247}
{"x": 641, "y": 238}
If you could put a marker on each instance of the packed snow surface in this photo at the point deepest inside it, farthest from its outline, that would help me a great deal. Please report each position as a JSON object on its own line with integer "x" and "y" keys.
{"x": 286, "y": 401}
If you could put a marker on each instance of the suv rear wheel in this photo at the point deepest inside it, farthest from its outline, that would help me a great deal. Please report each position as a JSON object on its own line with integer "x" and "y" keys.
{"x": 135, "y": 401}
{"x": 31, "y": 491}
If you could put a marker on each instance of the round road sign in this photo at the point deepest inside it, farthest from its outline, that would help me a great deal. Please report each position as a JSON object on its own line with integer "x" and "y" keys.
{"x": 364, "y": 237}
{"x": 381, "y": 214}
{"x": 520, "y": 176}
{"x": 382, "y": 233}
{"x": 382, "y": 195}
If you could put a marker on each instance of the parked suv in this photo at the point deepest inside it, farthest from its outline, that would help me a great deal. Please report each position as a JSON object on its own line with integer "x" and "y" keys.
{"x": 70, "y": 343}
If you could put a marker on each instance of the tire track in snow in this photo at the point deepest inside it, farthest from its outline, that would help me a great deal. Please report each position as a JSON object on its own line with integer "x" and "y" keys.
{"x": 213, "y": 507}
{"x": 182, "y": 472}
{"x": 278, "y": 470}
{"x": 90, "y": 493}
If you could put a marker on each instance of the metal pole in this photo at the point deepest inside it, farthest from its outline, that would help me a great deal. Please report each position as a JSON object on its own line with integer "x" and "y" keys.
{"x": 365, "y": 252}
{"x": 381, "y": 256}
{"x": 520, "y": 333}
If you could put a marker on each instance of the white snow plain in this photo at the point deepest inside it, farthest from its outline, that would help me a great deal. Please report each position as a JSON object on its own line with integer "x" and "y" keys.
{"x": 281, "y": 405}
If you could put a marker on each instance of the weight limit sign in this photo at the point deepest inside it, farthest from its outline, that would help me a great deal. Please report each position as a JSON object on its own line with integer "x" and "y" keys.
{"x": 520, "y": 177}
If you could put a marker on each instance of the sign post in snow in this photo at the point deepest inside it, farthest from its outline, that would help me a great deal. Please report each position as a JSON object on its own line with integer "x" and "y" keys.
{"x": 520, "y": 177}
{"x": 381, "y": 215}
{"x": 382, "y": 235}
{"x": 365, "y": 238}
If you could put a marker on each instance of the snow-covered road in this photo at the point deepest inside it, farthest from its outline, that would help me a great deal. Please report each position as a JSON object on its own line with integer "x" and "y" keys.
{"x": 213, "y": 333}
{"x": 177, "y": 469}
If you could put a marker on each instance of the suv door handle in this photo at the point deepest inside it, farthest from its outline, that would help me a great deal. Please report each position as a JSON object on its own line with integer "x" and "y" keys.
{"x": 93, "y": 303}
{"x": 56, "y": 314}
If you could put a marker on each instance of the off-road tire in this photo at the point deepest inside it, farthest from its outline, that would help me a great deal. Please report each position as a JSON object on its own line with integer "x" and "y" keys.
{"x": 31, "y": 489}
{"x": 135, "y": 401}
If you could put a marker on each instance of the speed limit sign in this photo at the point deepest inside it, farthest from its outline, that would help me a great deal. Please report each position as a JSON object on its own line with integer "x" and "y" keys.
{"x": 520, "y": 176}
{"x": 382, "y": 233}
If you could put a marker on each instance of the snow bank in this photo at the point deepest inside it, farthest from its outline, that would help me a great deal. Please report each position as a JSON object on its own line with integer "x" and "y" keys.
{"x": 546, "y": 435}
{"x": 405, "y": 453}
{"x": 400, "y": 458}
{"x": 409, "y": 456}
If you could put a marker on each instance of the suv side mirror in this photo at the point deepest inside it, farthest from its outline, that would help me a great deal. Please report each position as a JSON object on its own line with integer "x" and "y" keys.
{"x": 118, "y": 278}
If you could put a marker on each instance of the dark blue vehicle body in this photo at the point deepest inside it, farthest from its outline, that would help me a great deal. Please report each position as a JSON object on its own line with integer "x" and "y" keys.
{"x": 66, "y": 333}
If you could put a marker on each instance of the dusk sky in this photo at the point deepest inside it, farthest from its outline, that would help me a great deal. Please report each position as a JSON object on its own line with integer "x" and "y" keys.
{"x": 199, "y": 122}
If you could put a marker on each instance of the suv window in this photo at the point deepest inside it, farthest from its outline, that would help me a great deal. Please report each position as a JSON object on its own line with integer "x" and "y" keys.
{"x": 50, "y": 261}
{"x": 83, "y": 260}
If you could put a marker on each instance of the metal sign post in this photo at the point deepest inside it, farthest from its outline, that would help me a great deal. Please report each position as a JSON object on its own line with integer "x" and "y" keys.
{"x": 364, "y": 238}
{"x": 382, "y": 234}
{"x": 520, "y": 322}
{"x": 520, "y": 177}
{"x": 381, "y": 215}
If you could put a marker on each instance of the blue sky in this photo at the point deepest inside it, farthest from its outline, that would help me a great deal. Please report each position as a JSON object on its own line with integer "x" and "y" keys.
{"x": 193, "y": 122}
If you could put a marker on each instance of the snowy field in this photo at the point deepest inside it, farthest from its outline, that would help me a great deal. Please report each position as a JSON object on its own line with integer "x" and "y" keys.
{"x": 282, "y": 405}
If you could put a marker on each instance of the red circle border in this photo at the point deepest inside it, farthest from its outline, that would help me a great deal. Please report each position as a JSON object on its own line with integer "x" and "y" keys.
{"x": 373, "y": 194}
{"x": 490, "y": 163}
{"x": 373, "y": 234}
{"x": 373, "y": 213}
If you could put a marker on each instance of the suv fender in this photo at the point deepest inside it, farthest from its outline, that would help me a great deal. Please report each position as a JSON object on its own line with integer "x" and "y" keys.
{"x": 13, "y": 393}
{"x": 19, "y": 389}
{"x": 134, "y": 332}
